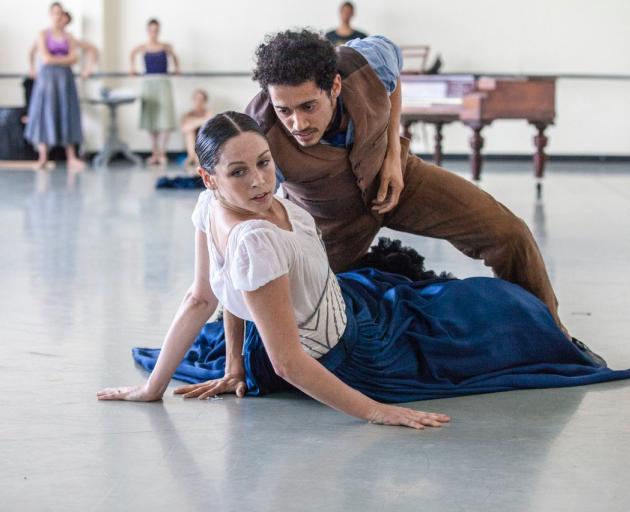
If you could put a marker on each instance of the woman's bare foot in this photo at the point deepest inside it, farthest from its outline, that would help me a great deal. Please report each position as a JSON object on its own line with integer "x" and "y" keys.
{"x": 76, "y": 164}
{"x": 152, "y": 160}
{"x": 162, "y": 160}
{"x": 43, "y": 165}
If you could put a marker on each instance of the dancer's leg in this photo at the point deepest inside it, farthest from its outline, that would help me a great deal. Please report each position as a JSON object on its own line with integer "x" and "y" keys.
{"x": 74, "y": 162}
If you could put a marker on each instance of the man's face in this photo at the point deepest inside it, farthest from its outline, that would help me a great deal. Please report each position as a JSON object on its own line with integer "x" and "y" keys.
{"x": 346, "y": 14}
{"x": 305, "y": 109}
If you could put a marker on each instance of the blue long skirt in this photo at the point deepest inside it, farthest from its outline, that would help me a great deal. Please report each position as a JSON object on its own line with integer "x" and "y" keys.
{"x": 409, "y": 341}
{"x": 54, "y": 115}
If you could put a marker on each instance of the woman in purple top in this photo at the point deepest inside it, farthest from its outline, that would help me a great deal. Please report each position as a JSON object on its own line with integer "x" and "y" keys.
{"x": 54, "y": 116}
{"x": 157, "y": 110}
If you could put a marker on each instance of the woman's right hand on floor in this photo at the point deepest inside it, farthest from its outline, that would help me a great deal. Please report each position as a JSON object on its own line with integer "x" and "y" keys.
{"x": 129, "y": 393}
{"x": 393, "y": 415}
{"x": 230, "y": 383}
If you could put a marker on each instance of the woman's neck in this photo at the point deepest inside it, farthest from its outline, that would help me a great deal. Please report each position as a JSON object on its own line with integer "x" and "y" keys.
{"x": 243, "y": 213}
{"x": 200, "y": 112}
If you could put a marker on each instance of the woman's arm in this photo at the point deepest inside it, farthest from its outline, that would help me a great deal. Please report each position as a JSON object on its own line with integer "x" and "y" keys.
{"x": 132, "y": 58}
{"x": 32, "y": 70}
{"x": 233, "y": 381}
{"x": 272, "y": 310}
{"x": 48, "y": 58}
{"x": 191, "y": 122}
{"x": 197, "y": 306}
{"x": 171, "y": 52}
{"x": 91, "y": 54}
{"x": 234, "y": 336}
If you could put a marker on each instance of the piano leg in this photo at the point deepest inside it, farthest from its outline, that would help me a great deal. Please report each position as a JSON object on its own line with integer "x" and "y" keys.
{"x": 437, "y": 154}
{"x": 476, "y": 144}
{"x": 540, "y": 141}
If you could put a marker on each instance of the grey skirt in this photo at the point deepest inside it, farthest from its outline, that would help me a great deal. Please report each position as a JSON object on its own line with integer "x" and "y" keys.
{"x": 54, "y": 115}
{"x": 157, "y": 112}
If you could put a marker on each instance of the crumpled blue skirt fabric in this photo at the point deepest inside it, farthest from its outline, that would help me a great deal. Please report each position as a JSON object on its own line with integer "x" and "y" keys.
{"x": 410, "y": 341}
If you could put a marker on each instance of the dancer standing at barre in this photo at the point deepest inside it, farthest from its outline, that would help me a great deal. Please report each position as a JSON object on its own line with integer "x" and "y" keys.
{"x": 157, "y": 110}
{"x": 54, "y": 114}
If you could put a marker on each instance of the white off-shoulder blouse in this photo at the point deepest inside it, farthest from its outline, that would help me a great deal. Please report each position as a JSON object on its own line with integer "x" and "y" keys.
{"x": 258, "y": 252}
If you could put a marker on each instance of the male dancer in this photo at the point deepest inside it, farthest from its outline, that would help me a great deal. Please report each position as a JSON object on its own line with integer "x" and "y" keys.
{"x": 332, "y": 118}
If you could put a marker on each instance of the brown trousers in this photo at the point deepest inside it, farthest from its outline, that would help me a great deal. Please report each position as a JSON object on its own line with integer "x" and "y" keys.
{"x": 439, "y": 204}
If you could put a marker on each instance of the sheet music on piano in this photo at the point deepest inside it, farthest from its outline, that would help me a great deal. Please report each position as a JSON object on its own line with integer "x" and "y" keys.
{"x": 426, "y": 90}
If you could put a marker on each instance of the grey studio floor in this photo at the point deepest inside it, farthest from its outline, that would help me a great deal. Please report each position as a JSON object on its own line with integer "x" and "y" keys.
{"x": 94, "y": 264}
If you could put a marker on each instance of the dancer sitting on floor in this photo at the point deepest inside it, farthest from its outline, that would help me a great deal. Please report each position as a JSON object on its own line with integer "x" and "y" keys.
{"x": 54, "y": 114}
{"x": 191, "y": 123}
{"x": 352, "y": 341}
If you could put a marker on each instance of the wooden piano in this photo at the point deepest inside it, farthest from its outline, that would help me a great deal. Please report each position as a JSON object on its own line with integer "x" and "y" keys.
{"x": 476, "y": 102}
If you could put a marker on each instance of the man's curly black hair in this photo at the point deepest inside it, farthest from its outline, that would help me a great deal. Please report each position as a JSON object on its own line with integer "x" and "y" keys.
{"x": 292, "y": 58}
{"x": 391, "y": 256}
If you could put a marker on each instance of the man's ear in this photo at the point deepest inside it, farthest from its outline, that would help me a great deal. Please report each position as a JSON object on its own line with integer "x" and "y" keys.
{"x": 336, "y": 87}
{"x": 207, "y": 179}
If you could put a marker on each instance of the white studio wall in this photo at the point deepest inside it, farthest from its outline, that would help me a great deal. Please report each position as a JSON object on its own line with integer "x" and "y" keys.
{"x": 593, "y": 116}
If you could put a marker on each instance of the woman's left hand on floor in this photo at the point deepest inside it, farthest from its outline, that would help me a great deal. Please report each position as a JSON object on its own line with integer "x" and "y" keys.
{"x": 230, "y": 383}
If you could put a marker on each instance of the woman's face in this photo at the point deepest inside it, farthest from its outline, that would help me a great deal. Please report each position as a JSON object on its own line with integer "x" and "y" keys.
{"x": 245, "y": 175}
{"x": 57, "y": 16}
{"x": 199, "y": 101}
{"x": 154, "y": 31}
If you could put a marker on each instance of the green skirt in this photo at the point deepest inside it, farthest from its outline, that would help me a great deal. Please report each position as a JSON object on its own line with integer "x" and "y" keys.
{"x": 157, "y": 112}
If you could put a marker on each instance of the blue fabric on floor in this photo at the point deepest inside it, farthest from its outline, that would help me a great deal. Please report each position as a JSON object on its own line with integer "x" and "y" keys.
{"x": 416, "y": 341}
{"x": 183, "y": 182}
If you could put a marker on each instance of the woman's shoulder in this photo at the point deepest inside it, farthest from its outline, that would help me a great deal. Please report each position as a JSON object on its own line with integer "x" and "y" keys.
{"x": 258, "y": 252}
{"x": 200, "y": 215}
{"x": 300, "y": 219}
{"x": 256, "y": 232}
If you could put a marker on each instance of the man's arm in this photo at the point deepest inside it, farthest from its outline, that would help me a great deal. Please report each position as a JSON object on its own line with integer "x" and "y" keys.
{"x": 385, "y": 58}
{"x": 391, "y": 178}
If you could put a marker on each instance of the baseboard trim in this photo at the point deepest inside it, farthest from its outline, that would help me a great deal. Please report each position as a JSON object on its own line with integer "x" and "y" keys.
{"x": 528, "y": 158}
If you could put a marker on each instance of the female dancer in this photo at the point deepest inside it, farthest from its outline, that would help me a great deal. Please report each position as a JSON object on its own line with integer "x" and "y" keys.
{"x": 157, "y": 111}
{"x": 353, "y": 341}
{"x": 191, "y": 123}
{"x": 54, "y": 116}
{"x": 90, "y": 52}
